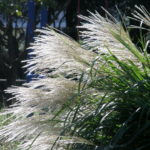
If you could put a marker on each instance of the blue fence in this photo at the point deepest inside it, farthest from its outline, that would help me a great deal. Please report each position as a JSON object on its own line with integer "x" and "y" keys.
{"x": 31, "y": 19}
{"x": 31, "y": 28}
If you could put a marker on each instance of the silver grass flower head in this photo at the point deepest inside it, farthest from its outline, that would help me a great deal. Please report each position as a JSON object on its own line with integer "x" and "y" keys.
{"x": 44, "y": 142}
{"x": 142, "y": 15}
{"x": 48, "y": 92}
{"x": 96, "y": 32}
{"x": 36, "y": 103}
{"x": 57, "y": 52}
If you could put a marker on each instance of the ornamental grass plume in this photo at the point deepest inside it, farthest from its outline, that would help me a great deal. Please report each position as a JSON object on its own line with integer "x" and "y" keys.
{"x": 98, "y": 35}
{"x": 142, "y": 15}
{"x": 57, "y": 53}
{"x": 37, "y": 102}
{"x": 56, "y": 111}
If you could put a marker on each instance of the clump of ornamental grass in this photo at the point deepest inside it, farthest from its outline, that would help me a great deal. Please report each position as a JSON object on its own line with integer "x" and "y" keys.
{"x": 107, "y": 107}
{"x": 116, "y": 116}
{"x": 61, "y": 61}
{"x": 57, "y": 54}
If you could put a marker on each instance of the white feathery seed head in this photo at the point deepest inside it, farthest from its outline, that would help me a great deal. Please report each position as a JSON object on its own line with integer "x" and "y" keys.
{"x": 96, "y": 32}
{"x": 56, "y": 52}
{"x": 41, "y": 93}
{"x": 37, "y": 102}
{"x": 142, "y": 15}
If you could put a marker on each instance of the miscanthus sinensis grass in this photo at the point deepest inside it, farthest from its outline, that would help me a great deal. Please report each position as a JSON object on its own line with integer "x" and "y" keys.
{"x": 55, "y": 56}
{"x": 97, "y": 35}
{"x": 57, "y": 52}
{"x": 59, "y": 59}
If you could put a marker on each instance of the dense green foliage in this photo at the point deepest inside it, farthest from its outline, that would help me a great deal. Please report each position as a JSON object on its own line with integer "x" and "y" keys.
{"x": 112, "y": 111}
{"x": 120, "y": 118}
